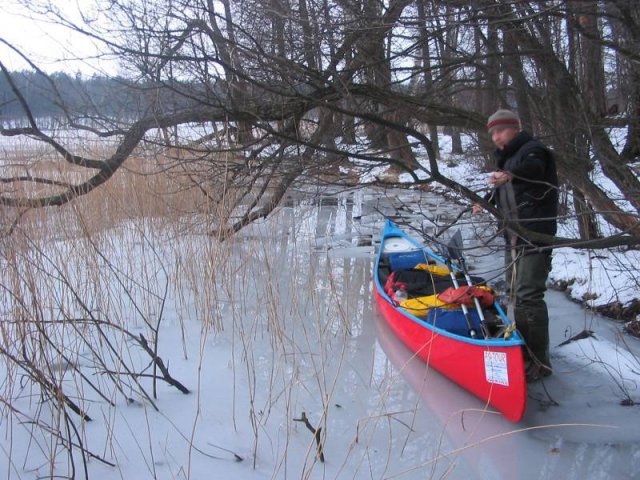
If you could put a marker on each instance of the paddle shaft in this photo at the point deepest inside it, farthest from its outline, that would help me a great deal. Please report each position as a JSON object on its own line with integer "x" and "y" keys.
{"x": 454, "y": 251}
{"x": 465, "y": 310}
{"x": 483, "y": 325}
{"x": 510, "y": 211}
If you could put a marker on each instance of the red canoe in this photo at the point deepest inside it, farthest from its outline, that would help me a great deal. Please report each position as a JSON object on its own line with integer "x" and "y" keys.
{"x": 491, "y": 368}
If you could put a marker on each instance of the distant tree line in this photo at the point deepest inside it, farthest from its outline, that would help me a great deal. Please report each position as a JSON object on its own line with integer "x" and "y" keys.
{"x": 95, "y": 94}
{"x": 60, "y": 95}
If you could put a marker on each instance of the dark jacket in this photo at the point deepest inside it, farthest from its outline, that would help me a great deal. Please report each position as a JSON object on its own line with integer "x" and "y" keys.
{"x": 535, "y": 183}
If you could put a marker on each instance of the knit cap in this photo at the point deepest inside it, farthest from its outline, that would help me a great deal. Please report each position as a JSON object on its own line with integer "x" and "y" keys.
{"x": 503, "y": 119}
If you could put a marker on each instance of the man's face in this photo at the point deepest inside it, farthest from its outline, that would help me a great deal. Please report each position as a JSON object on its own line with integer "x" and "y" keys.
{"x": 502, "y": 136}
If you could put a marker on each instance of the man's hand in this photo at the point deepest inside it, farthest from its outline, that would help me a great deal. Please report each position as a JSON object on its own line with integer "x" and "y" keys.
{"x": 499, "y": 178}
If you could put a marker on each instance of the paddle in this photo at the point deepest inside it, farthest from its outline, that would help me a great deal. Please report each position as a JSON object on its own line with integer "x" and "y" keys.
{"x": 509, "y": 209}
{"x": 446, "y": 253}
{"x": 454, "y": 252}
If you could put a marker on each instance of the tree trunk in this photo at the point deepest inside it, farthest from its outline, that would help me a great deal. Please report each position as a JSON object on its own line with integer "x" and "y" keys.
{"x": 519, "y": 82}
{"x": 238, "y": 89}
{"x": 587, "y": 225}
{"x": 427, "y": 76}
{"x": 492, "y": 96}
{"x": 372, "y": 52}
{"x": 307, "y": 34}
{"x": 591, "y": 64}
{"x": 624, "y": 20}
{"x": 456, "y": 142}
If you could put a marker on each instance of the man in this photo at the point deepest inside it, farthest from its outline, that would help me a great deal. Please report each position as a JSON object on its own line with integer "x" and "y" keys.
{"x": 525, "y": 181}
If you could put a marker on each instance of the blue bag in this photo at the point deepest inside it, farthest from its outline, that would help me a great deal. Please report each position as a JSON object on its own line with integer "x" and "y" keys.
{"x": 406, "y": 260}
{"x": 453, "y": 320}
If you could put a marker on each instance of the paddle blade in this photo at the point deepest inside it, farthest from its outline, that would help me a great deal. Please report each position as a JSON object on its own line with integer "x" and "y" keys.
{"x": 455, "y": 246}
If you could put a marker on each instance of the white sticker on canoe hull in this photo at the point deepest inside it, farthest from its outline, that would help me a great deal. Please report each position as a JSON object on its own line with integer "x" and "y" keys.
{"x": 495, "y": 368}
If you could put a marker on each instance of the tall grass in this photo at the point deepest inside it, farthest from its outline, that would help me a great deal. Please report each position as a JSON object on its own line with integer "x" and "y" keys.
{"x": 85, "y": 291}
{"x": 90, "y": 288}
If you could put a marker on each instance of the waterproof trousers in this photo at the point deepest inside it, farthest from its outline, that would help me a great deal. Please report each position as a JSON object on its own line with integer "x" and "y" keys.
{"x": 527, "y": 280}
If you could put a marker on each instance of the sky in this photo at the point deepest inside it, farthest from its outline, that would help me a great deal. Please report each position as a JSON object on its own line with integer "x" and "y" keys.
{"x": 51, "y": 46}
